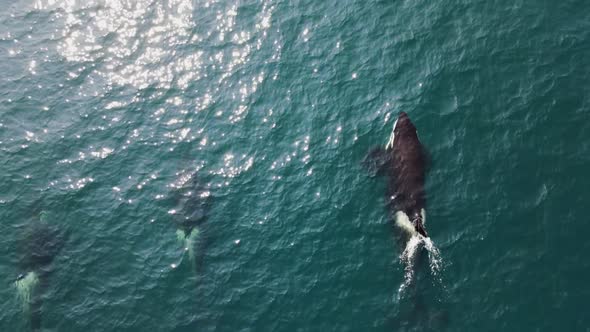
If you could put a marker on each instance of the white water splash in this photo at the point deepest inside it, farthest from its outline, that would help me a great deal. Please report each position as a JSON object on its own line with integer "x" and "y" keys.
{"x": 434, "y": 258}
{"x": 408, "y": 257}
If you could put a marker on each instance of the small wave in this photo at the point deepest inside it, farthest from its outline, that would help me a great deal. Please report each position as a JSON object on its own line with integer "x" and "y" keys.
{"x": 408, "y": 257}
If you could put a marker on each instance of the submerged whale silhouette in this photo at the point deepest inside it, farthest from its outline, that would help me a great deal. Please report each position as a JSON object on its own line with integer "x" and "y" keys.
{"x": 192, "y": 210}
{"x": 42, "y": 243}
{"x": 403, "y": 161}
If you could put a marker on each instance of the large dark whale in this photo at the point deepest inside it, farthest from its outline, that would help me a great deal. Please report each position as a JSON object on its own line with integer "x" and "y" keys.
{"x": 42, "y": 243}
{"x": 403, "y": 161}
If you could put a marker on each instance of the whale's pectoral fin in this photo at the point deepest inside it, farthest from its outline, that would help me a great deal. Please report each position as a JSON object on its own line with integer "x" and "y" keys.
{"x": 376, "y": 161}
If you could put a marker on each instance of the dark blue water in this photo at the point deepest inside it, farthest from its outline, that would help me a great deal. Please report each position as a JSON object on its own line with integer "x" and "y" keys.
{"x": 109, "y": 109}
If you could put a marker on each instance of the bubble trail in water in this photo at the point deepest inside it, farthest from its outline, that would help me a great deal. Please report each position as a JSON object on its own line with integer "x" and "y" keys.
{"x": 408, "y": 257}
{"x": 434, "y": 258}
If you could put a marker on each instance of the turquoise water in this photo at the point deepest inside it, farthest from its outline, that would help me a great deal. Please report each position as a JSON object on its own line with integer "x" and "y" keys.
{"x": 109, "y": 107}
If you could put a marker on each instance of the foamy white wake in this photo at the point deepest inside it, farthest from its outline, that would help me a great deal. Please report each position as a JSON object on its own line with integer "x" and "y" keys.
{"x": 434, "y": 258}
{"x": 408, "y": 257}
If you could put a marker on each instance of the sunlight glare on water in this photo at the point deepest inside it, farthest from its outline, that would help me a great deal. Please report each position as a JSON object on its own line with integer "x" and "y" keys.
{"x": 152, "y": 33}
{"x": 141, "y": 44}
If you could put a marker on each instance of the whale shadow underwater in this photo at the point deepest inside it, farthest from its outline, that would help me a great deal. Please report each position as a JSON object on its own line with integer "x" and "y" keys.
{"x": 192, "y": 205}
{"x": 41, "y": 243}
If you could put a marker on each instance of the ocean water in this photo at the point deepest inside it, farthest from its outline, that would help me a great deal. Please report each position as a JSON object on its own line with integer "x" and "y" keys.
{"x": 108, "y": 108}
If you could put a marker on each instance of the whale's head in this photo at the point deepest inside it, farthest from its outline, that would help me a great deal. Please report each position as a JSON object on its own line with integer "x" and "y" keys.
{"x": 402, "y": 128}
{"x": 403, "y": 125}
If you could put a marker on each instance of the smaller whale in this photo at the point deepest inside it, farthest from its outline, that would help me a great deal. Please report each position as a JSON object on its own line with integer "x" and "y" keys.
{"x": 42, "y": 243}
{"x": 193, "y": 202}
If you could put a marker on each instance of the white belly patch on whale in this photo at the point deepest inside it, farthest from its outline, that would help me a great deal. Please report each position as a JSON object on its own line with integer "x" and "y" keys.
{"x": 403, "y": 221}
{"x": 25, "y": 287}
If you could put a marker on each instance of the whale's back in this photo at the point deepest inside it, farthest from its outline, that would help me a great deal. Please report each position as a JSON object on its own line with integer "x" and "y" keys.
{"x": 408, "y": 163}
